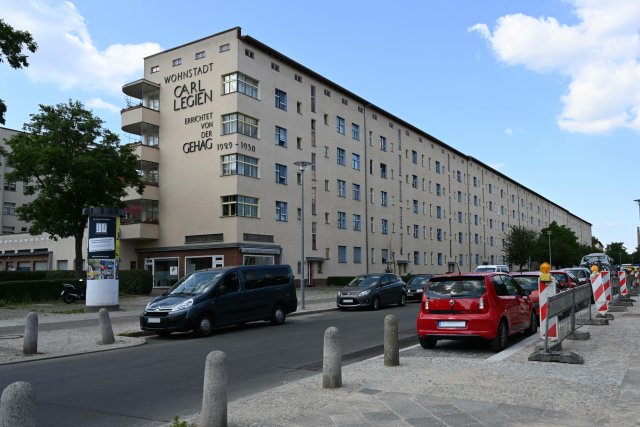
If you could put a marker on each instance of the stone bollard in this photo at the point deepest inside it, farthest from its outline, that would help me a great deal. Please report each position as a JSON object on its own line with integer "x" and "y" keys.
{"x": 30, "y": 341}
{"x": 391, "y": 348}
{"x": 214, "y": 394}
{"x": 18, "y": 405}
{"x": 105, "y": 327}
{"x": 332, "y": 359}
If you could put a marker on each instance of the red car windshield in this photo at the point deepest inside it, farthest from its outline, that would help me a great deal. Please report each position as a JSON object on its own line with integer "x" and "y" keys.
{"x": 472, "y": 287}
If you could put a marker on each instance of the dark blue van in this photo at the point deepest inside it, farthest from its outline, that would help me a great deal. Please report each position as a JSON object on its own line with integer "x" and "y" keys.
{"x": 223, "y": 296}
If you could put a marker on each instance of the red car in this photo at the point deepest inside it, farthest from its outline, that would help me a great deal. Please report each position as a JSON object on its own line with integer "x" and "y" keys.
{"x": 528, "y": 281}
{"x": 470, "y": 305}
{"x": 566, "y": 280}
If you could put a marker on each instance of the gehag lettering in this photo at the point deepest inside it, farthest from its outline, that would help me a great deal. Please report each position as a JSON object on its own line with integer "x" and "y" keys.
{"x": 190, "y": 95}
{"x": 198, "y": 145}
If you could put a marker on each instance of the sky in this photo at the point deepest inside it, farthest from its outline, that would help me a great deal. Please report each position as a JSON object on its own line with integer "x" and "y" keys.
{"x": 545, "y": 91}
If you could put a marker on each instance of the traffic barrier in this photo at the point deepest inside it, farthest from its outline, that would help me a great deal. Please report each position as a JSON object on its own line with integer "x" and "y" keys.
{"x": 332, "y": 359}
{"x": 18, "y": 405}
{"x": 622, "y": 278}
{"x": 391, "y": 347}
{"x": 606, "y": 283}
{"x": 106, "y": 331}
{"x": 214, "y": 393}
{"x": 30, "y": 341}
{"x": 548, "y": 325}
{"x": 598, "y": 294}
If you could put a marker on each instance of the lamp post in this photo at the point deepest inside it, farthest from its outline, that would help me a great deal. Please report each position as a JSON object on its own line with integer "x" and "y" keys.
{"x": 638, "y": 229}
{"x": 549, "y": 235}
{"x": 302, "y": 166}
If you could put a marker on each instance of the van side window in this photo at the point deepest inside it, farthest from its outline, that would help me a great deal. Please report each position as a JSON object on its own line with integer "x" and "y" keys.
{"x": 277, "y": 276}
{"x": 253, "y": 279}
{"x": 231, "y": 283}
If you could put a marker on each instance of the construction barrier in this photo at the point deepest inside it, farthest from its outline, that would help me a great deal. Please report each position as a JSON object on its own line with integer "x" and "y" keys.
{"x": 548, "y": 324}
{"x": 622, "y": 278}
{"x": 599, "y": 294}
{"x": 606, "y": 283}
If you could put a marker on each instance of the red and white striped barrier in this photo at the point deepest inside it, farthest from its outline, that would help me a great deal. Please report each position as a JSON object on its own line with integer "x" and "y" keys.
{"x": 622, "y": 276}
{"x": 606, "y": 283}
{"x": 546, "y": 290}
{"x": 635, "y": 282}
{"x": 599, "y": 294}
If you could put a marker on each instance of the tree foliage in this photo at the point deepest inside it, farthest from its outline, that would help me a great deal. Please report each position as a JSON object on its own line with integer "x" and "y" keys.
{"x": 519, "y": 244}
{"x": 70, "y": 163}
{"x": 12, "y": 45}
{"x": 618, "y": 252}
{"x": 565, "y": 249}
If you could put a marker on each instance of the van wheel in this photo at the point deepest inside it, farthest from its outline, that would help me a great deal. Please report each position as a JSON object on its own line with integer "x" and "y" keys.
{"x": 427, "y": 342}
{"x": 278, "y": 316}
{"x": 501, "y": 340}
{"x": 204, "y": 327}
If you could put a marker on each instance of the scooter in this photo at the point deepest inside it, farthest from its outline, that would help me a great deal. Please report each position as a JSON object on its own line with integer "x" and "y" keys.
{"x": 73, "y": 292}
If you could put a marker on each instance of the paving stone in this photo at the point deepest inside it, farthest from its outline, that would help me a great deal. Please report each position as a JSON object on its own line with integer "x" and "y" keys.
{"x": 350, "y": 420}
{"x": 425, "y": 422}
{"x": 459, "y": 419}
{"x": 381, "y": 416}
{"x": 443, "y": 409}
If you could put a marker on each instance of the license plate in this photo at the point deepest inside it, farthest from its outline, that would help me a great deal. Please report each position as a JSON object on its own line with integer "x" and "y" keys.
{"x": 153, "y": 320}
{"x": 452, "y": 323}
{"x": 347, "y": 301}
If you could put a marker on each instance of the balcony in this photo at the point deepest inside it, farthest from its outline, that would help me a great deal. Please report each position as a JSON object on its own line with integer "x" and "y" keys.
{"x": 140, "y": 120}
{"x": 151, "y": 192}
{"x": 139, "y": 231}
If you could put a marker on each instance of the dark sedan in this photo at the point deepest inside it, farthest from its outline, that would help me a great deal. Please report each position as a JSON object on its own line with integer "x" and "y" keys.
{"x": 415, "y": 286}
{"x": 372, "y": 291}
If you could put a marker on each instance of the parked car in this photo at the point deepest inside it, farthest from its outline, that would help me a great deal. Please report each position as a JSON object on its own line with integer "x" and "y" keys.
{"x": 223, "y": 296}
{"x": 566, "y": 280}
{"x": 492, "y": 268}
{"x": 582, "y": 274}
{"x": 491, "y": 306}
{"x": 528, "y": 281}
{"x": 372, "y": 291}
{"x": 416, "y": 285}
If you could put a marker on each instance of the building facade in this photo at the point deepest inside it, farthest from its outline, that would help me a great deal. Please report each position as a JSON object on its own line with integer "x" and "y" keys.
{"x": 218, "y": 124}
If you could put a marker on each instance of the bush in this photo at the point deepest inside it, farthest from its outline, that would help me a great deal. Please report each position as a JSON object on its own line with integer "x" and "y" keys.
{"x": 339, "y": 280}
{"x": 63, "y": 274}
{"x": 11, "y": 276}
{"x": 30, "y": 290}
{"x": 136, "y": 282}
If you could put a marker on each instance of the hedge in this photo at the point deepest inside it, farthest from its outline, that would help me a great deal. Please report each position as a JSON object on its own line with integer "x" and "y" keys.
{"x": 136, "y": 282}
{"x": 339, "y": 280}
{"x": 31, "y": 290}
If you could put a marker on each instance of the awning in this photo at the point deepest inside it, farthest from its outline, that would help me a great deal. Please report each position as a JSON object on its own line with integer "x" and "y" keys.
{"x": 260, "y": 251}
{"x": 402, "y": 261}
{"x": 315, "y": 259}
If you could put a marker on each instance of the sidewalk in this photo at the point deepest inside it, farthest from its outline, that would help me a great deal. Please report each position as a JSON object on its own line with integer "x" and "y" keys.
{"x": 429, "y": 388}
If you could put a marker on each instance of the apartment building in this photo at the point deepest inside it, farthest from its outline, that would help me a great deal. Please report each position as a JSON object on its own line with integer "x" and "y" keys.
{"x": 218, "y": 125}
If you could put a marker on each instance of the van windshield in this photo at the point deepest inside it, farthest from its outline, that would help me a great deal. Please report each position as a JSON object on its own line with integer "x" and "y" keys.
{"x": 196, "y": 283}
{"x": 471, "y": 287}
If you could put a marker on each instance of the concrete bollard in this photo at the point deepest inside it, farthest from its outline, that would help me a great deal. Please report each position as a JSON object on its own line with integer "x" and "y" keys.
{"x": 105, "y": 327}
{"x": 214, "y": 394}
{"x": 332, "y": 359}
{"x": 18, "y": 405}
{"x": 30, "y": 341}
{"x": 391, "y": 348}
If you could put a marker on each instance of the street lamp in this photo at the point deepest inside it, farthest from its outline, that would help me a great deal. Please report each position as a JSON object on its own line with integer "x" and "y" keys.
{"x": 638, "y": 202}
{"x": 302, "y": 166}
{"x": 549, "y": 234}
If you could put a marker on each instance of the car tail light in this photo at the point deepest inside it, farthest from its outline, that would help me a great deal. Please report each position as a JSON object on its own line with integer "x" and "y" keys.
{"x": 483, "y": 305}
{"x": 426, "y": 304}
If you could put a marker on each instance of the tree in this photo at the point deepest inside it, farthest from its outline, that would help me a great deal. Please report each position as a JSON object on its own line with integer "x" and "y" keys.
{"x": 565, "y": 249}
{"x": 70, "y": 163}
{"x": 519, "y": 243}
{"x": 617, "y": 251}
{"x": 12, "y": 43}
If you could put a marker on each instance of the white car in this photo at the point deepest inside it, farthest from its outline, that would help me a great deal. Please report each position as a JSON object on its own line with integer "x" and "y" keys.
{"x": 492, "y": 268}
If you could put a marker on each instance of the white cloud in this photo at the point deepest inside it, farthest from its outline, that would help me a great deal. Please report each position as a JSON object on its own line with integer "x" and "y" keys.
{"x": 66, "y": 55}
{"x": 100, "y": 104}
{"x": 508, "y": 131}
{"x": 600, "y": 55}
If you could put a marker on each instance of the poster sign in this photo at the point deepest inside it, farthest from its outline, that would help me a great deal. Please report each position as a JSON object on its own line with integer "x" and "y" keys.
{"x": 102, "y": 237}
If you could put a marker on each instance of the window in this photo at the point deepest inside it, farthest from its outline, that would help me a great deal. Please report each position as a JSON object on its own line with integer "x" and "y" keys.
{"x": 342, "y": 188}
{"x": 414, "y": 181}
{"x": 177, "y": 62}
{"x": 357, "y": 222}
{"x": 475, "y": 200}
{"x": 155, "y": 69}
{"x": 275, "y": 67}
{"x": 384, "y": 226}
{"x": 281, "y": 174}
{"x": 439, "y": 234}
{"x": 416, "y": 231}
{"x": 357, "y": 255}
{"x": 340, "y": 157}
{"x": 416, "y": 258}
{"x": 415, "y": 206}
{"x": 356, "y": 191}
{"x": 281, "y": 136}
{"x": 460, "y": 238}
{"x": 459, "y": 196}
{"x": 141, "y": 211}
{"x": 8, "y": 229}
{"x": 225, "y": 48}
{"x": 148, "y": 172}
{"x": 475, "y": 181}
{"x": 281, "y": 211}
{"x": 340, "y": 125}
{"x": 281, "y": 99}
{"x": 327, "y": 92}
{"x": 238, "y": 82}
{"x": 355, "y": 131}
{"x": 355, "y": 161}
{"x": 414, "y": 157}
{"x": 383, "y": 171}
{"x": 439, "y": 258}
{"x": 385, "y": 255}
{"x": 476, "y": 238}
{"x": 9, "y": 186}
{"x": 298, "y": 78}
{"x": 475, "y": 220}
{"x": 200, "y": 55}
{"x": 437, "y": 167}
{"x": 459, "y": 217}
{"x": 383, "y": 143}
{"x": 458, "y": 176}
{"x": 9, "y": 209}
{"x": 438, "y": 190}
{"x": 490, "y": 189}
{"x": 342, "y": 254}
{"x": 439, "y": 212}
{"x": 239, "y": 123}
{"x": 237, "y": 205}
{"x": 383, "y": 198}
{"x": 342, "y": 220}
{"x": 239, "y": 164}
{"x": 313, "y": 99}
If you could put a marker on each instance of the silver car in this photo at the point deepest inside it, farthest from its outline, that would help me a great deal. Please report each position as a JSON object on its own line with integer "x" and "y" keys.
{"x": 372, "y": 291}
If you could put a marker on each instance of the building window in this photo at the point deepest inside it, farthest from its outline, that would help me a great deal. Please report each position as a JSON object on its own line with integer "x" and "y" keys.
{"x": 298, "y": 78}
{"x": 281, "y": 211}
{"x": 281, "y": 174}
{"x": 475, "y": 200}
{"x": 355, "y": 161}
{"x": 415, "y": 206}
{"x": 414, "y": 181}
{"x": 439, "y": 234}
{"x": 459, "y": 196}
{"x": 383, "y": 143}
{"x": 383, "y": 171}
{"x": 148, "y": 172}
{"x": 357, "y": 222}
{"x": 237, "y": 205}
{"x": 460, "y": 238}
{"x": 355, "y": 131}
{"x": 438, "y": 189}
{"x": 275, "y": 67}
{"x": 239, "y": 123}
{"x": 385, "y": 255}
{"x": 327, "y": 92}
{"x": 200, "y": 55}
{"x": 416, "y": 258}
{"x": 439, "y": 258}
{"x": 416, "y": 231}
{"x": 340, "y": 157}
{"x": 356, "y": 191}
{"x": 9, "y": 186}
{"x": 437, "y": 167}
{"x": 490, "y": 189}
{"x": 342, "y": 188}
{"x": 155, "y": 69}
{"x": 225, "y": 48}
{"x": 439, "y": 212}
{"x": 342, "y": 254}
{"x": 281, "y": 136}
{"x": 281, "y": 99}
{"x": 357, "y": 255}
{"x": 340, "y": 125}
{"x": 459, "y": 217}
{"x": 239, "y": 164}
{"x": 238, "y": 82}
{"x": 384, "y": 226}
{"x": 141, "y": 211}
{"x": 9, "y": 209}
{"x": 342, "y": 220}
{"x": 383, "y": 198}
{"x": 458, "y": 176}
{"x": 414, "y": 157}
{"x": 177, "y": 62}
{"x": 8, "y": 229}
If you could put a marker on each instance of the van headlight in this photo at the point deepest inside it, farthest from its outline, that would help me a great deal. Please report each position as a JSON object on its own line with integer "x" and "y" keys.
{"x": 364, "y": 293}
{"x": 184, "y": 305}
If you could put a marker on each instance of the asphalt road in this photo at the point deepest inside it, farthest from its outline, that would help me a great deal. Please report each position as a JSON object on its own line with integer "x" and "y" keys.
{"x": 150, "y": 384}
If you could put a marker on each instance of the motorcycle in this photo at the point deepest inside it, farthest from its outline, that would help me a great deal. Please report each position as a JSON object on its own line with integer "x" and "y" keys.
{"x": 73, "y": 292}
